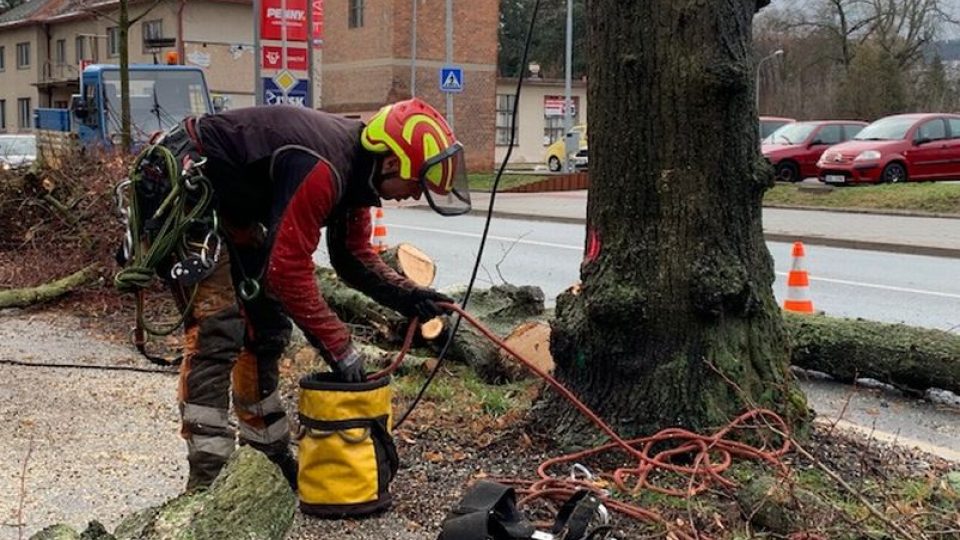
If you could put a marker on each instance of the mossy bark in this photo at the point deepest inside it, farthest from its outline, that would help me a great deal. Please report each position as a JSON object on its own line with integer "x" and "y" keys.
{"x": 906, "y": 357}
{"x": 677, "y": 280}
{"x": 250, "y": 499}
{"x": 48, "y": 291}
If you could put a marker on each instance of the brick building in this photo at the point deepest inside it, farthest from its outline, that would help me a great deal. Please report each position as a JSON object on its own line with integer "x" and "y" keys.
{"x": 366, "y": 61}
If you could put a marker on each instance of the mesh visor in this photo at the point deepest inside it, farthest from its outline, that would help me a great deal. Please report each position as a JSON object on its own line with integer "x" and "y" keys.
{"x": 444, "y": 182}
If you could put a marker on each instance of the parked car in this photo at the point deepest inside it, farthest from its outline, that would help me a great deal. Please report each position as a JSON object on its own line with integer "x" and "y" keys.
{"x": 556, "y": 152}
{"x": 897, "y": 149}
{"x": 769, "y": 124}
{"x": 794, "y": 149}
{"x": 17, "y": 151}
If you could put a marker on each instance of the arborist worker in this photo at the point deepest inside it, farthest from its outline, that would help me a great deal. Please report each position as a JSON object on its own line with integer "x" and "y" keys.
{"x": 276, "y": 176}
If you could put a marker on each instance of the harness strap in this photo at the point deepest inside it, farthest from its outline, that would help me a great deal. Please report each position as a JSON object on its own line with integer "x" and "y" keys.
{"x": 487, "y": 511}
{"x": 574, "y": 517}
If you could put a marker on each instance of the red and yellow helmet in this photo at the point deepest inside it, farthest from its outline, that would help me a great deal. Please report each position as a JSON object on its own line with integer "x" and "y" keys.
{"x": 420, "y": 137}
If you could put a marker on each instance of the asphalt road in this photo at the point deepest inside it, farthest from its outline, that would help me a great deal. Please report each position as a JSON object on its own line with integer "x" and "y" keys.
{"x": 916, "y": 290}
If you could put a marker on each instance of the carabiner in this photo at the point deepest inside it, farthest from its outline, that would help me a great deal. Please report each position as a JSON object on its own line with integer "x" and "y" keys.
{"x": 249, "y": 289}
{"x": 205, "y": 249}
{"x": 120, "y": 200}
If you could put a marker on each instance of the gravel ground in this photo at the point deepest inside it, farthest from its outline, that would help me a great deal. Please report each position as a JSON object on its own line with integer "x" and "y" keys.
{"x": 101, "y": 444}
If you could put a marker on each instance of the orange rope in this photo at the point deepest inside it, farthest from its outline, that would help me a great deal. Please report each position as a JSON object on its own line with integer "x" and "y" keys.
{"x": 706, "y": 470}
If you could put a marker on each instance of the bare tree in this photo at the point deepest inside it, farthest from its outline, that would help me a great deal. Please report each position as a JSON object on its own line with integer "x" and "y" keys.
{"x": 124, "y": 22}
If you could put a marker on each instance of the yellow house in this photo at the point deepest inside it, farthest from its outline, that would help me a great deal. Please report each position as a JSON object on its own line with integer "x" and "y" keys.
{"x": 540, "y": 118}
{"x": 44, "y": 43}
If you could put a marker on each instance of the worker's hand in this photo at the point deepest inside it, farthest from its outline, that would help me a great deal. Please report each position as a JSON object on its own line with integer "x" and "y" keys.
{"x": 349, "y": 367}
{"x": 424, "y": 303}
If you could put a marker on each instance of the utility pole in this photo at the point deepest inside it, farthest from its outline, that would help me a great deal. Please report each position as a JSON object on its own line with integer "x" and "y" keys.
{"x": 568, "y": 90}
{"x": 449, "y": 58}
{"x": 413, "y": 50}
{"x": 774, "y": 54}
{"x": 257, "y": 55}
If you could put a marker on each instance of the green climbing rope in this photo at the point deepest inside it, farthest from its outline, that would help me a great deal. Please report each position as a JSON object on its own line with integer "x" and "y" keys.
{"x": 184, "y": 205}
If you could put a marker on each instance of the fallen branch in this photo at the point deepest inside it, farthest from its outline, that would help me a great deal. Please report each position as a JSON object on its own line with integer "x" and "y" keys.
{"x": 903, "y": 356}
{"x": 48, "y": 291}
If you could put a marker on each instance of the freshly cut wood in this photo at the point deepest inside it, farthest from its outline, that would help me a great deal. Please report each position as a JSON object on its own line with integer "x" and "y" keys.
{"x": 48, "y": 291}
{"x": 532, "y": 341}
{"x": 409, "y": 261}
{"x": 905, "y": 357}
{"x": 432, "y": 329}
{"x": 501, "y": 308}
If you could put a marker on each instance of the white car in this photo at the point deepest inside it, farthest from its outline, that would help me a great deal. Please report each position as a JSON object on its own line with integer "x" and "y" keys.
{"x": 17, "y": 151}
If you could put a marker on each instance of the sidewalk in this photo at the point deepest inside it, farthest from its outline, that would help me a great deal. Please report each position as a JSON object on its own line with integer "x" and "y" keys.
{"x": 910, "y": 234}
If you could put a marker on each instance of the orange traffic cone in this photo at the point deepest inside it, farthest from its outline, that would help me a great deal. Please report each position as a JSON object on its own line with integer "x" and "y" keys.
{"x": 379, "y": 241}
{"x": 798, "y": 284}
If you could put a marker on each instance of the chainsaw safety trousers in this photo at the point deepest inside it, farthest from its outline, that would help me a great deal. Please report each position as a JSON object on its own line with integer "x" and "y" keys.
{"x": 230, "y": 345}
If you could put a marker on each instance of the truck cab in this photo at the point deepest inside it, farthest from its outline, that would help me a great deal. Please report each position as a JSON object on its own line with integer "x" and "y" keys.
{"x": 160, "y": 97}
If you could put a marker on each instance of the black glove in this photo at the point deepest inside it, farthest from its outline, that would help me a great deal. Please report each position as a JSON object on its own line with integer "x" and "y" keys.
{"x": 424, "y": 304}
{"x": 349, "y": 368}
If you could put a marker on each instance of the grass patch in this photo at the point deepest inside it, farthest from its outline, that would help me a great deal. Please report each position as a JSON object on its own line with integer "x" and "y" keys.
{"x": 922, "y": 197}
{"x": 484, "y": 181}
{"x": 464, "y": 388}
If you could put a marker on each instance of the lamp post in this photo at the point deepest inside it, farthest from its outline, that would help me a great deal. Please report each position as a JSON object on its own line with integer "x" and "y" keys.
{"x": 774, "y": 54}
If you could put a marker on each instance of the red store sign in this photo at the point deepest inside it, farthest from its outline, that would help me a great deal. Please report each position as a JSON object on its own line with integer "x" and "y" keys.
{"x": 292, "y": 14}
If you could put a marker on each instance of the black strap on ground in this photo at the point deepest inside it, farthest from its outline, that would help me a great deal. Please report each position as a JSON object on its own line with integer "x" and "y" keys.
{"x": 574, "y": 517}
{"x": 488, "y": 511}
{"x": 94, "y": 367}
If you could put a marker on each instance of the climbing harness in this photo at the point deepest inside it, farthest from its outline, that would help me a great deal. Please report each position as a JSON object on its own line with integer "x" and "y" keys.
{"x": 165, "y": 207}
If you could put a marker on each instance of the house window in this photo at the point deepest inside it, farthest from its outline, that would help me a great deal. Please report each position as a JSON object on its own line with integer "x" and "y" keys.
{"x": 3, "y": 115}
{"x": 151, "y": 30}
{"x": 3, "y": 58}
{"x": 61, "y": 104}
{"x": 23, "y": 113}
{"x": 79, "y": 45}
{"x": 23, "y": 55}
{"x": 505, "y": 104}
{"x": 553, "y": 109}
{"x": 94, "y": 49}
{"x": 113, "y": 42}
{"x": 61, "y": 54}
{"x": 356, "y": 14}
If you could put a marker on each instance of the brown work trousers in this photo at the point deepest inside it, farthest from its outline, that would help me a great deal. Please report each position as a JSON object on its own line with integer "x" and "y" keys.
{"x": 231, "y": 345}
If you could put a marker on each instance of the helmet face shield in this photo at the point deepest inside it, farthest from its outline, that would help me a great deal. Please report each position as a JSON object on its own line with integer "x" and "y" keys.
{"x": 443, "y": 178}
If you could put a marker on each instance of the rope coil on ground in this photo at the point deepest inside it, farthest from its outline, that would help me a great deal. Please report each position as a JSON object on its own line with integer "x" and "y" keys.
{"x": 703, "y": 472}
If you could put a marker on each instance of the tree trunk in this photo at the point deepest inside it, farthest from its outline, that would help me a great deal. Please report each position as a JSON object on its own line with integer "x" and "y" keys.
{"x": 123, "y": 28}
{"x": 676, "y": 283}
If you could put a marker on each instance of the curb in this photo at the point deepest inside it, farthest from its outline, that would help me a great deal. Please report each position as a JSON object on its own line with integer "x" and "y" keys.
{"x": 877, "y": 211}
{"x": 864, "y": 245}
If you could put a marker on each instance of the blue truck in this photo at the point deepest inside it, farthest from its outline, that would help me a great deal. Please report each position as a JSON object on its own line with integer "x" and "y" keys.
{"x": 160, "y": 96}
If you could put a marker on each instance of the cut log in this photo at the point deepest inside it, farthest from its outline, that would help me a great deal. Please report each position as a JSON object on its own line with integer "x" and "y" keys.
{"x": 354, "y": 307}
{"x": 905, "y": 357}
{"x": 501, "y": 308}
{"x": 409, "y": 261}
{"x": 48, "y": 291}
{"x": 532, "y": 341}
{"x": 250, "y": 499}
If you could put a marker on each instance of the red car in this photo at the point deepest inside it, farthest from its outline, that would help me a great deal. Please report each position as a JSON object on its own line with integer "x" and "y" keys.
{"x": 896, "y": 149}
{"x": 794, "y": 149}
{"x": 769, "y": 124}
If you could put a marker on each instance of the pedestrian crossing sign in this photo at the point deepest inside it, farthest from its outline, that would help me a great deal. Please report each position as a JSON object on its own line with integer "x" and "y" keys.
{"x": 451, "y": 79}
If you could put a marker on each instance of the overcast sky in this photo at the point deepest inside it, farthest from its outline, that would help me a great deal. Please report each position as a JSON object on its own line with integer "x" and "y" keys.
{"x": 950, "y": 32}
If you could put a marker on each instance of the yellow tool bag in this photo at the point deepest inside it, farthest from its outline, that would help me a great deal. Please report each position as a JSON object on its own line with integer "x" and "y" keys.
{"x": 347, "y": 457}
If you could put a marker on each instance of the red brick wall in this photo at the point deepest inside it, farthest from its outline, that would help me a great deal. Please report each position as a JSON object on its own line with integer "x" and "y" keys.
{"x": 367, "y": 67}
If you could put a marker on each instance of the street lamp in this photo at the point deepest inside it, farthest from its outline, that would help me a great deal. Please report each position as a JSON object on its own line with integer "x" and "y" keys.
{"x": 774, "y": 54}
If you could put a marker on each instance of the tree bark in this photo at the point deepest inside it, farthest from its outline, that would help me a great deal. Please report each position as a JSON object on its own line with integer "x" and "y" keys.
{"x": 908, "y": 358}
{"x": 250, "y": 500}
{"x": 16, "y": 298}
{"x": 676, "y": 283}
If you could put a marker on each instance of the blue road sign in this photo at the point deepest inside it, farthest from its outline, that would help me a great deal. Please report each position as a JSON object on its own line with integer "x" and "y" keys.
{"x": 451, "y": 79}
{"x": 274, "y": 95}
